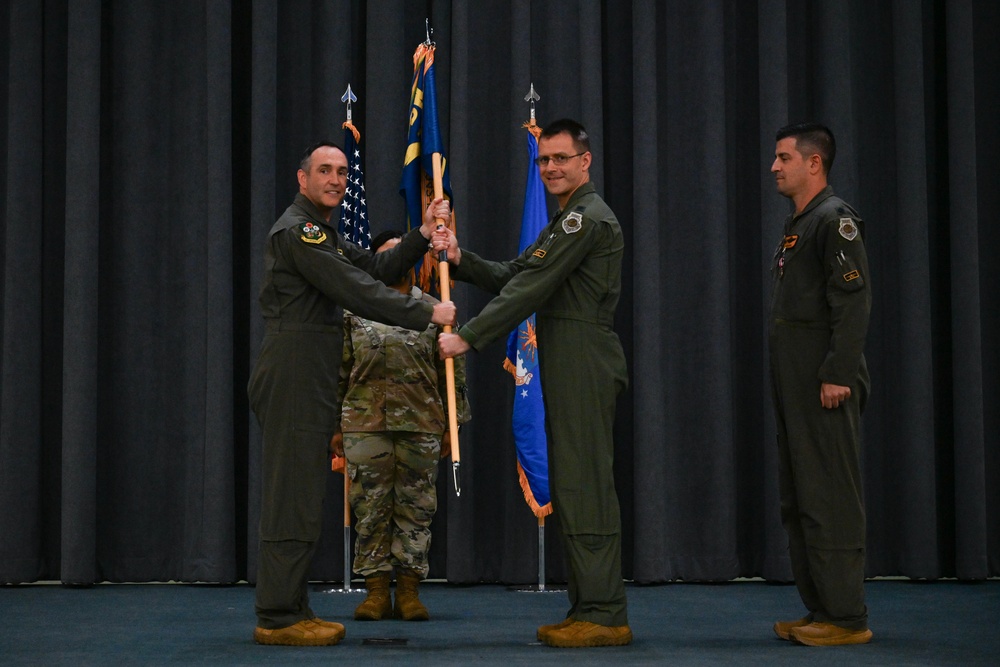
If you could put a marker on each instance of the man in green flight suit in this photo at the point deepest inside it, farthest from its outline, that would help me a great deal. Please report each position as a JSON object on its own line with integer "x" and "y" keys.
{"x": 571, "y": 278}
{"x": 819, "y": 320}
{"x": 310, "y": 274}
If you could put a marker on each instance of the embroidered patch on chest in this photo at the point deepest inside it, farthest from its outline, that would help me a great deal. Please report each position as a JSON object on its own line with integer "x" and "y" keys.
{"x": 848, "y": 229}
{"x": 311, "y": 233}
{"x": 572, "y": 223}
{"x": 540, "y": 254}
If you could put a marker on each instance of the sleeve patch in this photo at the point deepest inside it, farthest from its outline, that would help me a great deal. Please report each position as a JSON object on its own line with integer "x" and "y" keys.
{"x": 848, "y": 229}
{"x": 572, "y": 223}
{"x": 311, "y": 233}
{"x": 853, "y": 275}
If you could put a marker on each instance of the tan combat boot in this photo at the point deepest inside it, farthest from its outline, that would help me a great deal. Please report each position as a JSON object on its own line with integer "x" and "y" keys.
{"x": 377, "y": 605}
{"x": 408, "y": 606}
{"x": 303, "y": 633}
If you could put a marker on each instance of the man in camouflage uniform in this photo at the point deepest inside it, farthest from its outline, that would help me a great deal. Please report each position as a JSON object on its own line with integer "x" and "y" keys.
{"x": 310, "y": 272}
{"x": 394, "y": 397}
{"x": 819, "y": 320}
{"x": 571, "y": 278}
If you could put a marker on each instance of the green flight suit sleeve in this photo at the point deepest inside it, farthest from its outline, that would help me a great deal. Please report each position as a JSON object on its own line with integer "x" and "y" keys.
{"x": 488, "y": 275}
{"x": 350, "y": 286}
{"x": 391, "y": 265}
{"x": 848, "y": 292}
{"x": 543, "y": 267}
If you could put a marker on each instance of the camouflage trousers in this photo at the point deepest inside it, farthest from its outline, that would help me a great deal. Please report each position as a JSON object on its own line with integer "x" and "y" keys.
{"x": 394, "y": 497}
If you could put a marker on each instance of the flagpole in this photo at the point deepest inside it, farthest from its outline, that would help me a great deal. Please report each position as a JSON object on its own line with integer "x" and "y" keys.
{"x": 444, "y": 287}
{"x": 339, "y": 464}
{"x": 531, "y": 212}
{"x": 347, "y": 98}
{"x": 347, "y": 530}
{"x": 541, "y": 553}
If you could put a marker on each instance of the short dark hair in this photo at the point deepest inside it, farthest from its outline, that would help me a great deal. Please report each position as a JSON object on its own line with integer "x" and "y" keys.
{"x": 576, "y": 132}
{"x": 387, "y": 235}
{"x": 304, "y": 164}
{"x": 812, "y": 138}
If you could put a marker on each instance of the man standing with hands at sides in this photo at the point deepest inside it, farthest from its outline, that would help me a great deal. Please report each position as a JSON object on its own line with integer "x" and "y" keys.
{"x": 571, "y": 278}
{"x": 310, "y": 274}
{"x": 818, "y": 324}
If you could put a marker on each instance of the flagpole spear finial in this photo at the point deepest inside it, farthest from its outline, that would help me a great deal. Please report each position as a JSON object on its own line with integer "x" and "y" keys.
{"x": 349, "y": 97}
{"x": 531, "y": 98}
{"x": 430, "y": 32}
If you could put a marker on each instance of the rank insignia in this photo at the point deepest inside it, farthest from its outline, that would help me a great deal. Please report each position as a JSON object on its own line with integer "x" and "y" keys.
{"x": 848, "y": 229}
{"x": 790, "y": 241}
{"x": 312, "y": 233}
{"x": 573, "y": 223}
{"x": 540, "y": 254}
{"x": 853, "y": 275}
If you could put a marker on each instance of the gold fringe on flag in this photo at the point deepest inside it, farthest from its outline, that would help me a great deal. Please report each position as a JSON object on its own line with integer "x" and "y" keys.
{"x": 348, "y": 125}
{"x": 540, "y": 511}
{"x": 529, "y": 497}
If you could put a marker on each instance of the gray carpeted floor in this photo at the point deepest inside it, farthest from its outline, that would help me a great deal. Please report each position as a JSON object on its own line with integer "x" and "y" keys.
{"x": 943, "y": 623}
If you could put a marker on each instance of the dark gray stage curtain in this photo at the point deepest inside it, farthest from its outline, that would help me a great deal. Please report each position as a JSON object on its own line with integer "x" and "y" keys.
{"x": 148, "y": 147}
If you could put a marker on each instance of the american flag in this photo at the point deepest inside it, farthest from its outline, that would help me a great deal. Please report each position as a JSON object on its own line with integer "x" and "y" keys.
{"x": 354, "y": 209}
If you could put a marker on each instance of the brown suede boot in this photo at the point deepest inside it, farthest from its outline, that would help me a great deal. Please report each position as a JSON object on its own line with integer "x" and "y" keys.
{"x": 377, "y": 605}
{"x": 783, "y": 628}
{"x": 408, "y": 606}
{"x": 303, "y": 633}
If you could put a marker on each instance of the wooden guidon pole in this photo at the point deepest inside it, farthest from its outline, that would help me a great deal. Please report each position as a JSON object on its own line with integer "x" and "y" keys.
{"x": 444, "y": 287}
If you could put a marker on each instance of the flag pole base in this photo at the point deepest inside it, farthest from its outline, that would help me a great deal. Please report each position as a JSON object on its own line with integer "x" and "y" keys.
{"x": 346, "y": 589}
{"x": 535, "y": 588}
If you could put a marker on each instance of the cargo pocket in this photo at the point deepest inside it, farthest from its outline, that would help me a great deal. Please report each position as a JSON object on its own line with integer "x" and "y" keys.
{"x": 305, "y": 486}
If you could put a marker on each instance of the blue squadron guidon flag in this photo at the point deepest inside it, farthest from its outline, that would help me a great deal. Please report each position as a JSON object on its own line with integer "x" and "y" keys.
{"x": 423, "y": 140}
{"x": 528, "y": 418}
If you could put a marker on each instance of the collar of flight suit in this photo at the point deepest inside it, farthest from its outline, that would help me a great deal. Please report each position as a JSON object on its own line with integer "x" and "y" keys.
{"x": 584, "y": 189}
{"x": 311, "y": 211}
{"x": 820, "y": 197}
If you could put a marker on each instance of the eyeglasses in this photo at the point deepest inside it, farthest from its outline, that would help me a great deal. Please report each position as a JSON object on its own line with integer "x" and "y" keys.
{"x": 558, "y": 160}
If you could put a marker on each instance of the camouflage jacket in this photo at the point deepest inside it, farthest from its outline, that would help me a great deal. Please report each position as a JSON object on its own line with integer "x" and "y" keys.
{"x": 392, "y": 379}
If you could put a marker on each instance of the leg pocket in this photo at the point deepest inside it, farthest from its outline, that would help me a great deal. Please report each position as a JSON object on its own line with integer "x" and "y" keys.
{"x": 296, "y": 475}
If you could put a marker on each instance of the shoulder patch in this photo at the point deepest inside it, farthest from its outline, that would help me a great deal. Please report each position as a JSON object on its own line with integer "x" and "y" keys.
{"x": 311, "y": 233}
{"x": 572, "y": 223}
{"x": 848, "y": 229}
